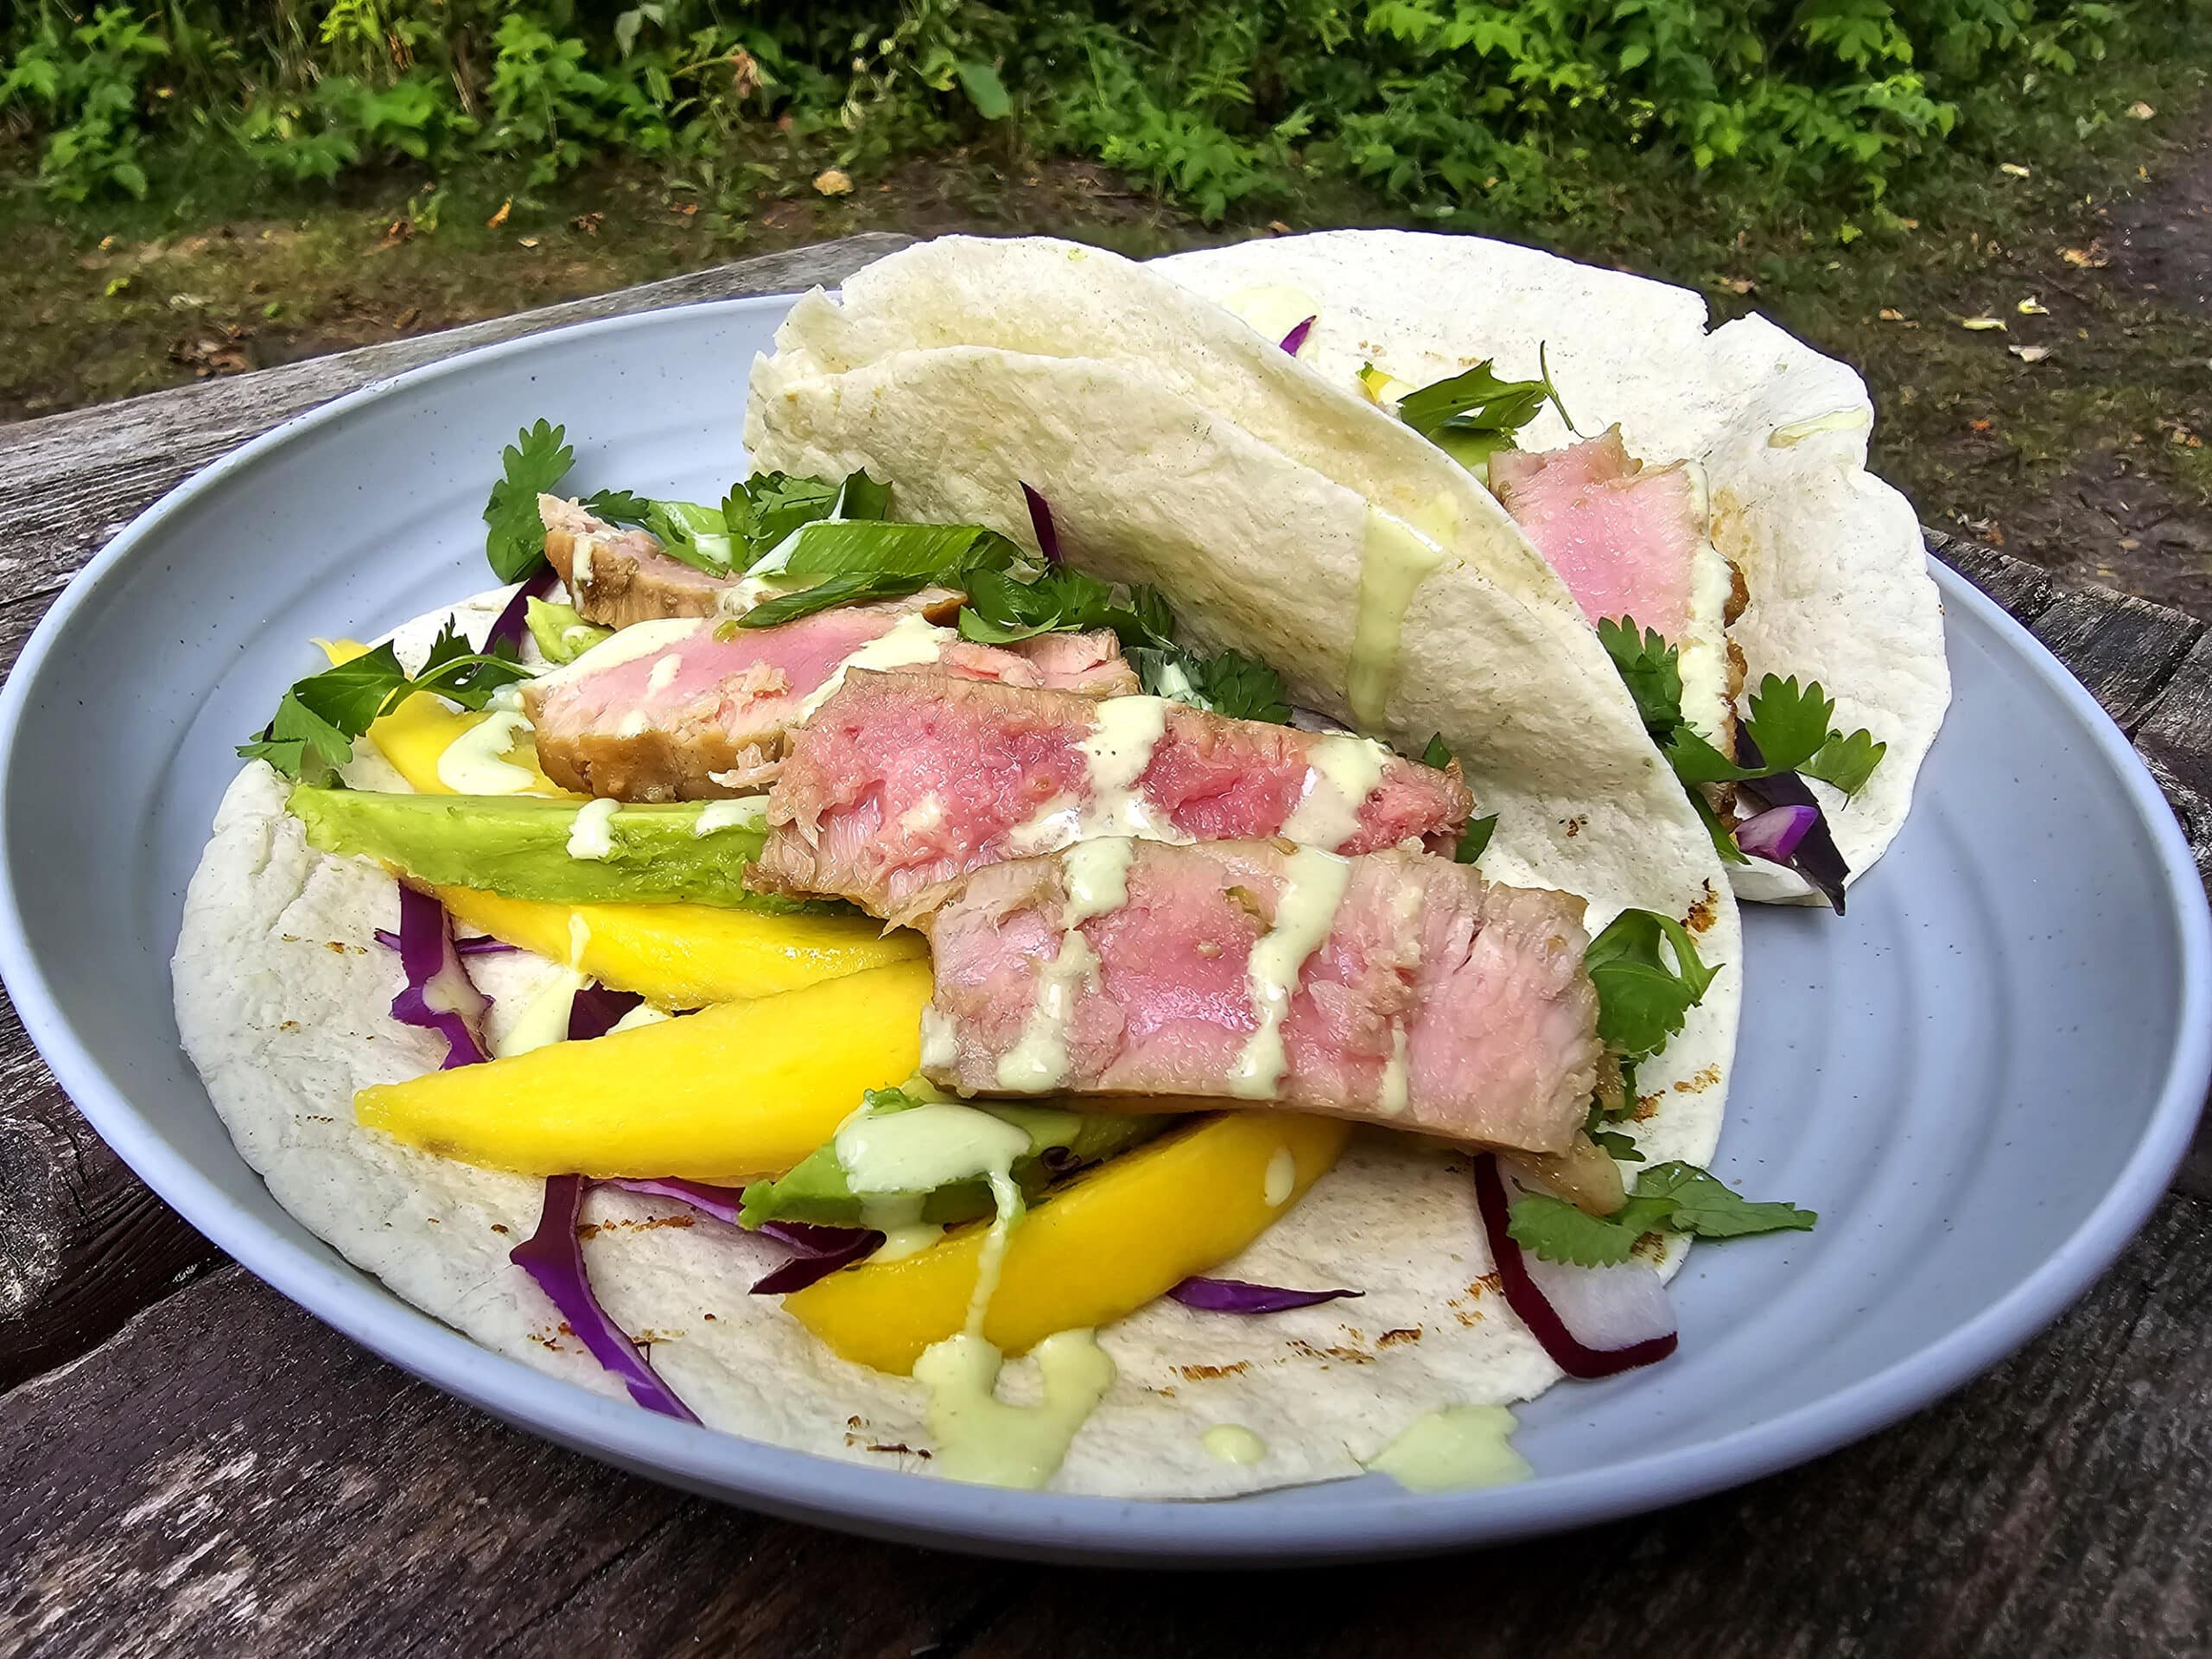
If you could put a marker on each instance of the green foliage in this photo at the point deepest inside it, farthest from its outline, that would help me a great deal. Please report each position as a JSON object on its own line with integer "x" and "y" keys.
{"x": 1444, "y": 108}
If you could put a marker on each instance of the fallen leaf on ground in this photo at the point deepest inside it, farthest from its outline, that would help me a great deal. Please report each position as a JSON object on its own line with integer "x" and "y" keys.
{"x": 1909, "y": 224}
{"x": 526, "y": 241}
{"x": 2013, "y": 169}
{"x": 2139, "y": 111}
{"x": 1278, "y": 228}
{"x": 1981, "y": 325}
{"x": 744, "y": 74}
{"x": 119, "y": 285}
{"x": 2091, "y": 257}
{"x": 1891, "y": 314}
{"x": 1739, "y": 284}
{"x": 2033, "y": 307}
{"x": 588, "y": 223}
{"x": 1979, "y": 426}
{"x": 2030, "y": 353}
{"x": 500, "y": 217}
{"x": 832, "y": 181}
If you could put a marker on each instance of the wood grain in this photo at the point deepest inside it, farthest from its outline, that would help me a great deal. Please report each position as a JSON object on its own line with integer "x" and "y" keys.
{"x": 229, "y": 1476}
{"x": 226, "y": 1475}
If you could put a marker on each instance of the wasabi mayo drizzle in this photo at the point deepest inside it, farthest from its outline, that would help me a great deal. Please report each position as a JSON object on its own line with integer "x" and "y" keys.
{"x": 1454, "y": 1449}
{"x": 1280, "y": 1179}
{"x": 1233, "y": 1443}
{"x": 1397, "y": 559}
{"x": 982, "y": 1439}
{"x": 1115, "y": 757}
{"x": 1703, "y": 649}
{"x": 1098, "y": 875}
{"x": 664, "y": 674}
{"x": 912, "y": 638}
{"x": 474, "y": 762}
{"x": 544, "y": 1019}
{"x": 592, "y": 835}
{"x": 1836, "y": 420}
{"x": 751, "y": 812}
{"x": 1342, "y": 772}
{"x": 1313, "y": 885}
{"x": 646, "y": 639}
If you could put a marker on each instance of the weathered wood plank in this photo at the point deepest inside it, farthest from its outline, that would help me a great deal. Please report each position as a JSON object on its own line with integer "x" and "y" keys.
{"x": 2123, "y": 649}
{"x": 229, "y": 1476}
{"x": 69, "y": 482}
{"x": 2016, "y": 585}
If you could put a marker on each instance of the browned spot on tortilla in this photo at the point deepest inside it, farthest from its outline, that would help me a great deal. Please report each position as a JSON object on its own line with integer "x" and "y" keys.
{"x": 501, "y": 1227}
{"x": 339, "y": 947}
{"x": 588, "y": 1231}
{"x": 593, "y": 1229}
{"x": 1404, "y": 1333}
{"x": 1342, "y": 1356}
{"x": 1651, "y": 1247}
{"x": 854, "y": 1422}
{"x": 1573, "y": 826}
{"x": 1647, "y": 1106}
{"x": 709, "y": 1317}
{"x": 1700, "y": 1082}
{"x": 288, "y": 1025}
{"x": 902, "y": 1450}
{"x": 1490, "y": 1282}
{"x": 1704, "y": 911}
{"x": 1207, "y": 1373}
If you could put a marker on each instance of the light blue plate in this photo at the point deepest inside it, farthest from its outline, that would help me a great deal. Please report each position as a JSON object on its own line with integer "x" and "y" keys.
{"x": 1982, "y": 1078}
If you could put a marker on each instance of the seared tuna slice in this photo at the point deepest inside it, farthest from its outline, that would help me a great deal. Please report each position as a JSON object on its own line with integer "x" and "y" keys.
{"x": 1635, "y": 541}
{"x": 615, "y": 577}
{"x": 694, "y": 708}
{"x": 1396, "y": 987}
{"x": 900, "y": 782}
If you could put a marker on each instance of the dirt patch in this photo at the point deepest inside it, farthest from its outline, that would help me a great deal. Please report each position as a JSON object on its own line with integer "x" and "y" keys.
{"x": 2164, "y": 241}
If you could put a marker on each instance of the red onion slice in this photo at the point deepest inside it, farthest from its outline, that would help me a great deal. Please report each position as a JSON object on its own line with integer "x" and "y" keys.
{"x": 1242, "y": 1296}
{"x": 817, "y": 1252}
{"x": 1774, "y": 834}
{"x": 439, "y": 995}
{"x": 1592, "y": 1321}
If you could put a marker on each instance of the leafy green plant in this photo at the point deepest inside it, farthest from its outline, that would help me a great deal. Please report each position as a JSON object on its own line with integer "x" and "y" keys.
{"x": 87, "y": 79}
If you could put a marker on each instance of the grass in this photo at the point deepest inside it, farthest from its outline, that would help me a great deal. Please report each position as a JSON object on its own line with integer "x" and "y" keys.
{"x": 2067, "y": 459}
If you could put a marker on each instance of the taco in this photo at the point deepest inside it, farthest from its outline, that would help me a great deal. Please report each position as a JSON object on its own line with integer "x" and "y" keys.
{"x": 972, "y": 954}
{"x": 1712, "y": 515}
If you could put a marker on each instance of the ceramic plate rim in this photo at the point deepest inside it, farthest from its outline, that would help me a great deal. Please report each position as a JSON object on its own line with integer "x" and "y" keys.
{"x": 885, "y": 1503}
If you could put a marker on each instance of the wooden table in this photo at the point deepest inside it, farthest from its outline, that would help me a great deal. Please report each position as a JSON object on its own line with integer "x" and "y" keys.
{"x": 189, "y": 1463}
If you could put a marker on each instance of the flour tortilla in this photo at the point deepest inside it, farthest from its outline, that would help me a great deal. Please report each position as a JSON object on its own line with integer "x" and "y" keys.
{"x": 1832, "y": 556}
{"x": 1837, "y": 576}
{"x": 282, "y": 1000}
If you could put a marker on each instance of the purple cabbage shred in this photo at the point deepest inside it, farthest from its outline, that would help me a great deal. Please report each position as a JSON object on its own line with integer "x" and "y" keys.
{"x": 817, "y": 1252}
{"x": 554, "y": 1257}
{"x": 508, "y": 629}
{"x": 439, "y": 995}
{"x": 1295, "y": 339}
{"x": 723, "y": 1203}
{"x": 1773, "y": 834}
{"x": 1815, "y": 856}
{"x": 1238, "y": 1296}
{"x": 1040, "y": 522}
{"x": 594, "y": 1010}
{"x": 477, "y": 945}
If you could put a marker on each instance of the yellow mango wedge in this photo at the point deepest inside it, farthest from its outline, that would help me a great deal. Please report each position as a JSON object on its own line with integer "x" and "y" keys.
{"x": 674, "y": 955}
{"x": 1115, "y": 1237}
{"x": 736, "y": 1092}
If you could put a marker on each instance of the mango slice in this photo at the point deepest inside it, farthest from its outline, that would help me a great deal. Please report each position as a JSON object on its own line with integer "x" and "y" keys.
{"x": 1112, "y": 1240}
{"x": 674, "y": 955}
{"x": 742, "y": 1090}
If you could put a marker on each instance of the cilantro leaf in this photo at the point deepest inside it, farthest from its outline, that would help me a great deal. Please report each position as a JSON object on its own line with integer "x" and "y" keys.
{"x": 1789, "y": 725}
{"x": 1642, "y": 1000}
{"x": 1652, "y": 670}
{"x": 862, "y": 497}
{"x": 319, "y": 718}
{"x": 618, "y": 506}
{"x": 1474, "y": 838}
{"x": 1847, "y": 762}
{"x": 1241, "y": 687}
{"x": 1476, "y": 402}
{"x": 1617, "y": 1146}
{"x": 1700, "y": 1203}
{"x": 1557, "y": 1231}
{"x": 1673, "y": 1196}
{"x": 1002, "y": 610}
{"x": 759, "y": 511}
{"x": 538, "y": 459}
{"x": 1438, "y": 754}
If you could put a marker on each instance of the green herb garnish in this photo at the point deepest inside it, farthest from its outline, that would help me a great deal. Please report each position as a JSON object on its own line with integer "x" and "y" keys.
{"x": 1673, "y": 1196}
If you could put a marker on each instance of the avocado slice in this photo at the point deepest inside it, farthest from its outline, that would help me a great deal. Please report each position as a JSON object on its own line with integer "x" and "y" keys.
{"x": 816, "y": 1189}
{"x": 517, "y": 846}
{"x": 561, "y": 634}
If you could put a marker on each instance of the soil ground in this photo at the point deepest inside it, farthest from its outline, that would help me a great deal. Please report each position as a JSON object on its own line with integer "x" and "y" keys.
{"x": 2074, "y": 435}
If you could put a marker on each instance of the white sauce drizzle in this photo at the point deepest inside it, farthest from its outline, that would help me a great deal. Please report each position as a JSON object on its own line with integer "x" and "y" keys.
{"x": 1233, "y": 1443}
{"x": 1115, "y": 757}
{"x": 592, "y": 835}
{"x": 1704, "y": 646}
{"x": 912, "y": 638}
{"x": 580, "y": 567}
{"x": 1397, "y": 559}
{"x": 1394, "y": 1093}
{"x": 1313, "y": 885}
{"x": 940, "y": 1048}
{"x": 643, "y": 1014}
{"x": 627, "y": 646}
{"x": 472, "y": 765}
{"x": 1280, "y": 1179}
{"x": 1454, "y": 1449}
{"x": 664, "y": 674}
{"x": 748, "y": 813}
{"x": 1341, "y": 772}
{"x": 1097, "y": 877}
{"x": 633, "y": 724}
{"x": 1836, "y": 420}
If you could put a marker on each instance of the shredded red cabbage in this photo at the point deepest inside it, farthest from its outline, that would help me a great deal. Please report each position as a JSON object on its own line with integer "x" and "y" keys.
{"x": 1296, "y": 338}
{"x": 508, "y": 629}
{"x": 1041, "y": 521}
{"x": 1774, "y": 834}
{"x": 554, "y": 1256}
{"x": 1546, "y": 1322}
{"x": 594, "y": 1011}
{"x": 1237, "y": 1296}
{"x": 477, "y": 945}
{"x": 817, "y": 1252}
{"x": 439, "y": 995}
{"x": 1815, "y": 856}
{"x": 723, "y": 1203}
